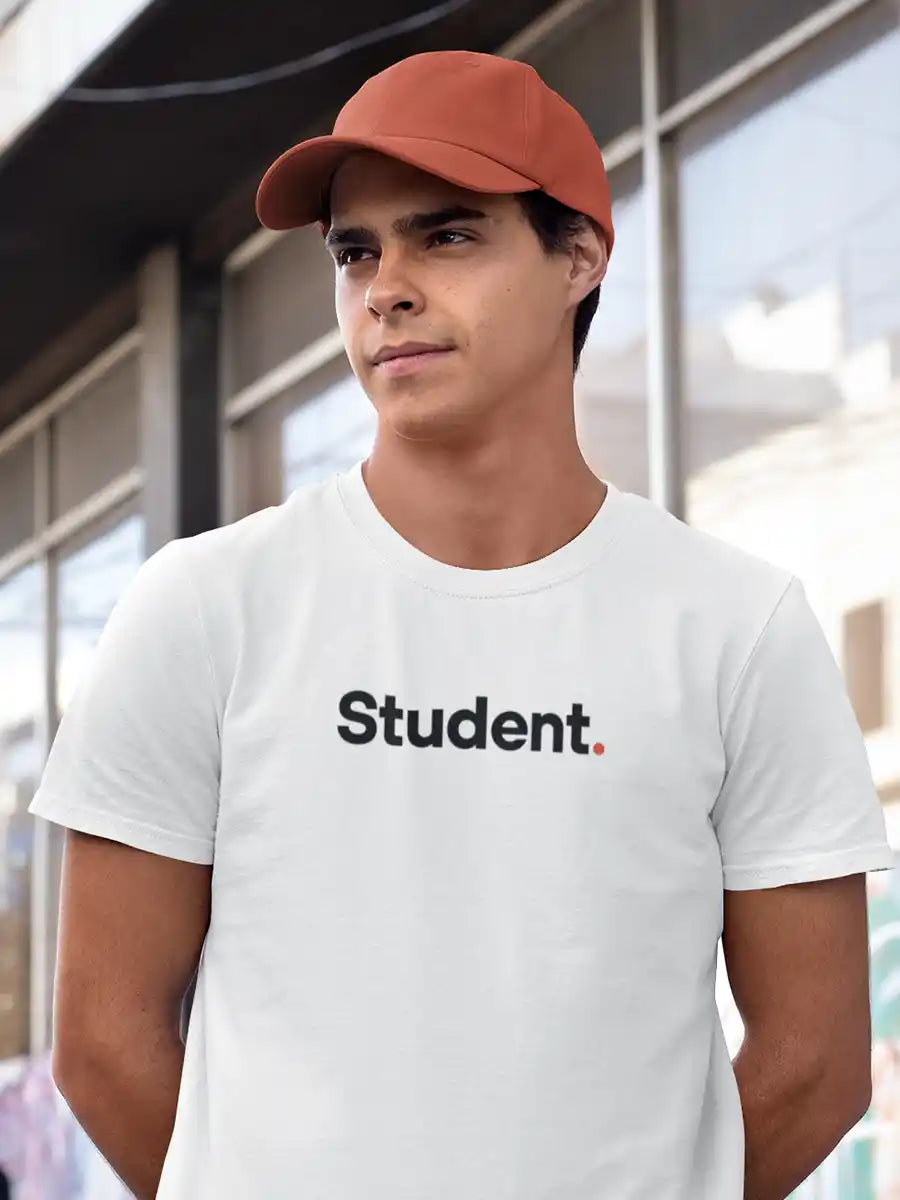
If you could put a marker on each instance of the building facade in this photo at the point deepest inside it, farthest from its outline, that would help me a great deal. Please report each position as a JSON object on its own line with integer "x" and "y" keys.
{"x": 167, "y": 366}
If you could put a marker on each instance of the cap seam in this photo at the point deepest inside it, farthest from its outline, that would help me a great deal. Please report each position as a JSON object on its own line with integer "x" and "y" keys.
{"x": 459, "y": 146}
{"x": 525, "y": 158}
{"x": 412, "y": 137}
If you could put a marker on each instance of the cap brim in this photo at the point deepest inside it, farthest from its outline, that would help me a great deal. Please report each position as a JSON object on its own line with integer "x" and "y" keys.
{"x": 294, "y": 190}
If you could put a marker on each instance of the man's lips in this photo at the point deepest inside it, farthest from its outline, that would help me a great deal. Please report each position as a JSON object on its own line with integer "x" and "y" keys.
{"x": 405, "y": 364}
{"x": 405, "y": 349}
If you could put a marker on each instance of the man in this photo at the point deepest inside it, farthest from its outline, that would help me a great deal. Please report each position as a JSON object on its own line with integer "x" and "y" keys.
{"x": 451, "y": 769}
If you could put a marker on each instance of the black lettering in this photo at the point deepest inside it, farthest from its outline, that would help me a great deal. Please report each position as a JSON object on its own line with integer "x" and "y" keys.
{"x": 538, "y": 721}
{"x": 369, "y": 724}
{"x": 477, "y": 740}
{"x": 435, "y": 737}
{"x": 506, "y": 726}
{"x": 509, "y": 730}
{"x": 391, "y": 714}
{"x": 578, "y": 721}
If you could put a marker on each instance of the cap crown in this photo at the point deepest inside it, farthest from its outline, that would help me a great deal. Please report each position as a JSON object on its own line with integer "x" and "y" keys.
{"x": 496, "y": 106}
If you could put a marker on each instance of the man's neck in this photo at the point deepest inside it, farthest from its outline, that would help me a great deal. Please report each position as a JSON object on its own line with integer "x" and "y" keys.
{"x": 488, "y": 516}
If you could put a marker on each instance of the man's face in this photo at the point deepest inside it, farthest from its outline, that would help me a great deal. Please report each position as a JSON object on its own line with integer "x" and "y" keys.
{"x": 475, "y": 282}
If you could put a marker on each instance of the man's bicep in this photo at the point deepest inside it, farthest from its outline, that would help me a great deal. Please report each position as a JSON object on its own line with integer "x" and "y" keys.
{"x": 797, "y": 958}
{"x": 131, "y": 930}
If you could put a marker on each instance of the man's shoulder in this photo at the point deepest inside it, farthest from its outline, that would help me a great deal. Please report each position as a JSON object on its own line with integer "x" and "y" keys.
{"x": 697, "y": 570}
{"x": 271, "y": 534}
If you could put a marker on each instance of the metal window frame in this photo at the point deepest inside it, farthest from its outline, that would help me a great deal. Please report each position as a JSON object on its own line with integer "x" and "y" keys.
{"x": 662, "y": 315}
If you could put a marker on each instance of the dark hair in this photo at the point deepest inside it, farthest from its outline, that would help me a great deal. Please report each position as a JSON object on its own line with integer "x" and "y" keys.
{"x": 555, "y": 224}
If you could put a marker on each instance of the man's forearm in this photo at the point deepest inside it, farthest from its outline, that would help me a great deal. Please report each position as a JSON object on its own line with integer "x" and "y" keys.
{"x": 126, "y": 1105}
{"x": 794, "y": 1116}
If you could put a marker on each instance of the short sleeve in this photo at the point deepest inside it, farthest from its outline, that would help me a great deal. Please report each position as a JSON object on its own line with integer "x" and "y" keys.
{"x": 136, "y": 756}
{"x": 798, "y": 801}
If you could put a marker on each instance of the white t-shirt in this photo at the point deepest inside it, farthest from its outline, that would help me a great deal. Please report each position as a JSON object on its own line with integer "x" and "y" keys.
{"x": 471, "y": 830}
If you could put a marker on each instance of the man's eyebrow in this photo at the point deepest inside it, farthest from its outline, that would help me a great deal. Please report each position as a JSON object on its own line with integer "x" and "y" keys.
{"x": 403, "y": 226}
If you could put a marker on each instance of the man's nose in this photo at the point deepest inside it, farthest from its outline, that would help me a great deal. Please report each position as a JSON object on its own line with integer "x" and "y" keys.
{"x": 393, "y": 288}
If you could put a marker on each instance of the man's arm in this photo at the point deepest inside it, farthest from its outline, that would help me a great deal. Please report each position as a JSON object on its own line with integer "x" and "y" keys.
{"x": 798, "y": 965}
{"x": 132, "y": 926}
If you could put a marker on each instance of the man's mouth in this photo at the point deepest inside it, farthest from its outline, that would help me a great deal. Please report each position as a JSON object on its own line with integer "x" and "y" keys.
{"x": 406, "y": 363}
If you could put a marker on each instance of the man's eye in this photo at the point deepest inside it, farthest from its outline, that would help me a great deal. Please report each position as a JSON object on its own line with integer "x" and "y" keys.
{"x": 343, "y": 257}
{"x": 342, "y": 260}
{"x": 451, "y": 233}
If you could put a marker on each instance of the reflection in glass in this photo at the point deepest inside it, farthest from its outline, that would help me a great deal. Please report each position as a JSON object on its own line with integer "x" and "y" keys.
{"x": 792, "y": 287}
{"x": 328, "y": 434}
{"x": 314, "y": 429}
{"x": 16, "y": 495}
{"x": 792, "y": 310}
{"x": 278, "y": 304}
{"x": 21, "y": 676}
{"x": 96, "y": 436}
{"x": 611, "y": 384}
{"x": 91, "y": 579}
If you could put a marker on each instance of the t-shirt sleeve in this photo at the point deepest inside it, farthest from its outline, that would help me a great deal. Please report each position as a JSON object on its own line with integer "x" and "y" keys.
{"x": 136, "y": 755}
{"x": 798, "y": 801}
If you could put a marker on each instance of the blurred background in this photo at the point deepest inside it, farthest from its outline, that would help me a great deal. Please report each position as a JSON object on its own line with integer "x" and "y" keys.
{"x": 166, "y": 366}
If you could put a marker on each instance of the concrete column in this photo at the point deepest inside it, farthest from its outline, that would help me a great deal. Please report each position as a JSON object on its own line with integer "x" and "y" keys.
{"x": 180, "y": 308}
{"x": 664, "y": 391}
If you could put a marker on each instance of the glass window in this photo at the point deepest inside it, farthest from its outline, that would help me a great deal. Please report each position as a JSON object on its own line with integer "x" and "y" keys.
{"x": 700, "y": 39}
{"x": 93, "y": 570}
{"x": 96, "y": 437}
{"x": 327, "y": 434}
{"x": 21, "y": 671}
{"x": 593, "y": 61}
{"x": 16, "y": 495}
{"x": 791, "y": 301}
{"x": 611, "y": 383}
{"x": 277, "y": 304}
{"x": 319, "y": 427}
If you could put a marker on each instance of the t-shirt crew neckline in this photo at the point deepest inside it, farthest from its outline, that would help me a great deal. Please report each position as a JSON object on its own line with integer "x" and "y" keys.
{"x": 561, "y": 564}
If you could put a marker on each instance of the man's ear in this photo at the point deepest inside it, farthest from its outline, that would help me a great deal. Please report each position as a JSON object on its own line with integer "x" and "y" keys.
{"x": 589, "y": 259}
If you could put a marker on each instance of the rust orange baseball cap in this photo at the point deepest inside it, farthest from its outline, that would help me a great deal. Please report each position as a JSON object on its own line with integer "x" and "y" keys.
{"x": 483, "y": 122}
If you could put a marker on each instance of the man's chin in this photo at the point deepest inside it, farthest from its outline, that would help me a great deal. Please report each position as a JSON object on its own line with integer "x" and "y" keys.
{"x": 426, "y": 410}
